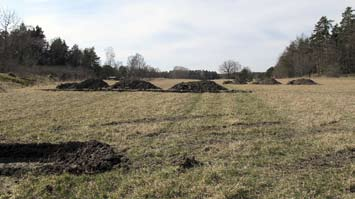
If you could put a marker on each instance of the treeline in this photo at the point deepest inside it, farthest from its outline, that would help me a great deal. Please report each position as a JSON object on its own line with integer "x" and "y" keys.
{"x": 27, "y": 46}
{"x": 184, "y": 73}
{"x": 25, "y": 49}
{"x": 144, "y": 71}
{"x": 330, "y": 50}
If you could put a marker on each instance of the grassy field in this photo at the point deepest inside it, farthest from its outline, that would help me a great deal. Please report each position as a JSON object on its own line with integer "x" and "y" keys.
{"x": 277, "y": 142}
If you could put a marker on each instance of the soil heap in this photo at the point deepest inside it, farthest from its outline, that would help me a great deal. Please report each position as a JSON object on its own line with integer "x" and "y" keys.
{"x": 268, "y": 81}
{"x": 72, "y": 157}
{"x": 198, "y": 87}
{"x": 91, "y": 84}
{"x": 302, "y": 82}
{"x": 228, "y": 82}
{"x": 134, "y": 85}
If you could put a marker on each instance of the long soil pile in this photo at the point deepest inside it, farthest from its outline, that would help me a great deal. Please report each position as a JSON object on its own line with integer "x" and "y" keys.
{"x": 198, "y": 87}
{"x": 90, "y": 84}
{"x": 135, "y": 85}
{"x": 302, "y": 82}
{"x": 268, "y": 81}
{"x": 72, "y": 157}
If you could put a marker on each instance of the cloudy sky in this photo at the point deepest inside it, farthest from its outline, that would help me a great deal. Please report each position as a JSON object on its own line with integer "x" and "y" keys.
{"x": 198, "y": 34}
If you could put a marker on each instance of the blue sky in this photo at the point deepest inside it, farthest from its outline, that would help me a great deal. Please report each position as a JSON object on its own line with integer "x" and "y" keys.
{"x": 198, "y": 34}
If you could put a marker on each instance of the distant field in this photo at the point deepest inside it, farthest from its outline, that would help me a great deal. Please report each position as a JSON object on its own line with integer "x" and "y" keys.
{"x": 277, "y": 142}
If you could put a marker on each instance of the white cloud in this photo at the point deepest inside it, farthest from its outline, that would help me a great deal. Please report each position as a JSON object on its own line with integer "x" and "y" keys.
{"x": 194, "y": 33}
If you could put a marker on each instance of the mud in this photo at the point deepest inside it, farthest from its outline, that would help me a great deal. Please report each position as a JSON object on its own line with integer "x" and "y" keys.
{"x": 134, "y": 85}
{"x": 71, "y": 157}
{"x": 198, "y": 87}
{"x": 302, "y": 82}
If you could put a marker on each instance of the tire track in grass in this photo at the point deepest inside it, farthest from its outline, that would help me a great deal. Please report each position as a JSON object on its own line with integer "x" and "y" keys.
{"x": 180, "y": 137}
{"x": 286, "y": 148}
{"x": 153, "y": 152}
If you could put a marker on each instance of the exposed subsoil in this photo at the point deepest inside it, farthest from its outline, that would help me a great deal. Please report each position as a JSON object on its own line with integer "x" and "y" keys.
{"x": 198, "y": 87}
{"x": 72, "y": 157}
{"x": 134, "y": 85}
{"x": 302, "y": 82}
{"x": 92, "y": 84}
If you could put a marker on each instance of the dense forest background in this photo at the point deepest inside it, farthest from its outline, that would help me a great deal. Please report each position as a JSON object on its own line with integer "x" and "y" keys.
{"x": 330, "y": 50}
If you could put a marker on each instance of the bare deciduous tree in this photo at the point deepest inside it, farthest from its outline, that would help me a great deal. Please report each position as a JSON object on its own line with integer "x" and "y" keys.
{"x": 229, "y": 67}
{"x": 136, "y": 62}
{"x": 136, "y": 65}
{"x": 110, "y": 57}
{"x": 8, "y": 20}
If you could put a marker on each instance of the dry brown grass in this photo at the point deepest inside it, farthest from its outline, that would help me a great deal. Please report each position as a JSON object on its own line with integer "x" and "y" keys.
{"x": 243, "y": 155}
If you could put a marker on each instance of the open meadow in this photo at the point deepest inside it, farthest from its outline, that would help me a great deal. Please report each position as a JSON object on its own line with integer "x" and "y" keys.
{"x": 279, "y": 141}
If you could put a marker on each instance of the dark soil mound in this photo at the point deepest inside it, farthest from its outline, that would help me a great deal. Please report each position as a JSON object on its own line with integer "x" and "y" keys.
{"x": 72, "y": 157}
{"x": 269, "y": 81}
{"x": 198, "y": 87}
{"x": 91, "y": 84}
{"x": 238, "y": 81}
{"x": 67, "y": 86}
{"x": 186, "y": 162}
{"x": 302, "y": 82}
{"x": 228, "y": 82}
{"x": 134, "y": 85}
{"x": 11, "y": 75}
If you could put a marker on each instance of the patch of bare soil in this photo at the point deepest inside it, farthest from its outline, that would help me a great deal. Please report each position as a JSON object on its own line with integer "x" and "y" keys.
{"x": 268, "y": 81}
{"x": 333, "y": 160}
{"x": 302, "y": 82}
{"x": 186, "y": 162}
{"x": 134, "y": 85}
{"x": 72, "y": 157}
{"x": 90, "y": 84}
{"x": 198, "y": 87}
